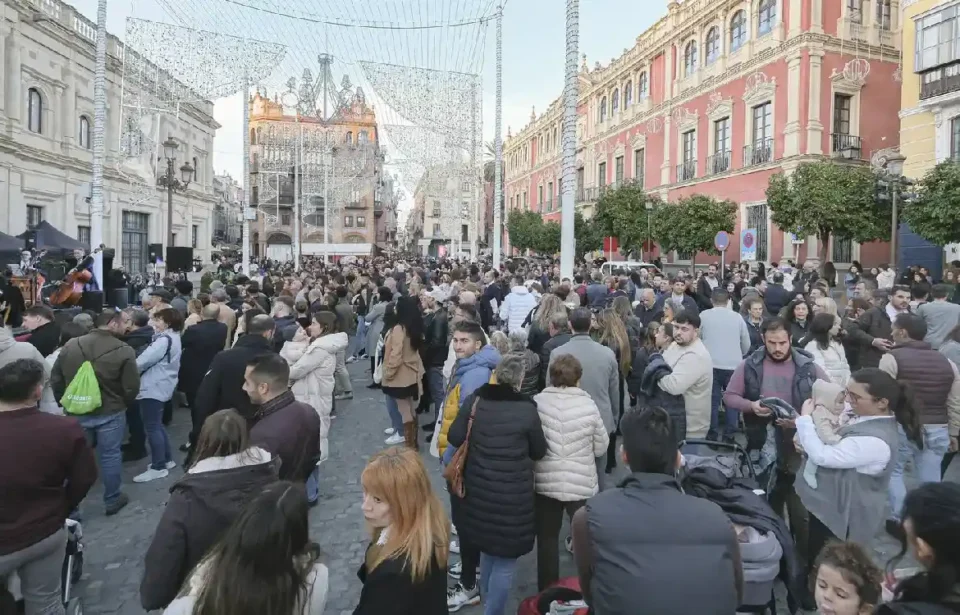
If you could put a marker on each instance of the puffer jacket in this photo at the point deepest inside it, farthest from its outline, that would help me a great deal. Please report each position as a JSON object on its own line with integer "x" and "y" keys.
{"x": 312, "y": 365}
{"x": 516, "y": 306}
{"x": 497, "y": 509}
{"x": 575, "y": 438}
{"x": 159, "y": 366}
{"x": 202, "y": 505}
{"x": 469, "y": 374}
{"x": 833, "y": 360}
{"x": 531, "y": 372}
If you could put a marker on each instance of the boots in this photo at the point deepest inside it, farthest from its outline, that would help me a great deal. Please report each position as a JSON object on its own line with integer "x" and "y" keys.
{"x": 410, "y": 435}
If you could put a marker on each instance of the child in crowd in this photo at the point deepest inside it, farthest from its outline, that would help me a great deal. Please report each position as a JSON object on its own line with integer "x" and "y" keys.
{"x": 847, "y": 580}
{"x": 828, "y": 399}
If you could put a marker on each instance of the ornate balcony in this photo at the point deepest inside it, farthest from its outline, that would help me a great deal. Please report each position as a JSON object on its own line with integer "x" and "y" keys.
{"x": 759, "y": 152}
{"x": 846, "y": 146}
{"x": 686, "y": 170}
{"x": 718, "y": 163}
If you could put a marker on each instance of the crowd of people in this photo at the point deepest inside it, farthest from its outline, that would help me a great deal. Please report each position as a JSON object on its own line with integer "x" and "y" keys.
{"x": 528, "y": 390}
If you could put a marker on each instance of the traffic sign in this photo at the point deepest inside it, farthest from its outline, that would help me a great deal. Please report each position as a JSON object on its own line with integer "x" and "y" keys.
{"x": 721, "y": 241}
{"x": 748, "y": 244}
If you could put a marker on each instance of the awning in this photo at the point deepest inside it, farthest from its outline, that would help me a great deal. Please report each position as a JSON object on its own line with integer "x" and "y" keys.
{"x": 54, "y": 241}
{"x": 337, "y": 249}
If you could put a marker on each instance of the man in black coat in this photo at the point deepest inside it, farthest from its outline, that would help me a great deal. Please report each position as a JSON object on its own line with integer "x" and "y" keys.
{"x": 285, "y": 319}
{"x": 776, "y": 296}
{"x": 559, "y": 330}
{"x": 201, "y": 344}
{"x": 44, "y": 331}
{"x": 436, "y": 330}
{"x": 222, "y": 386}
{"x": 649, "y": 309}
{"x": 492, "y": 293}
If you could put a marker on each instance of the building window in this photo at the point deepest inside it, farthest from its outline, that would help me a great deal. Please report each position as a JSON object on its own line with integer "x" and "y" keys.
{"x": 84, "y": 136}
{"x": 689, "y": 145}
{"x": 34, "y": 111}
{"x": 767, "y": 17}
{"x": 883, "y": 14}
{"x": 603, "y": 109}
{"x": 349, "y": 138}
{"x": 361, "y": 222}
{"x": 556, "y": 144}
{"x": 687, "y": 169}
{"x": 690, "y": 58}
{"x": 628, "y": 94}
{"x": 855, "y": 11}
{"x": 738, "y": 30}
{"x": 712, "y": 45}
{"x": 285, "y": 219}
{"x": 762, "y": 123}
{"x": 134, "y": 242}
{"x": 757, "y": 219}
{"x": 195, "y": 236}
{"x": 842, "y": 251}
{"x": 841, "y": 113}
{"x": 602, "y": 174}
{"x": 618, "y": 170}
{"x": 436, "y": 229}
{"x": 642, "y": 86}
{"x": 721, "y": 146}
{"x": 638, "y": 166}
{"x": 464, "y": 232}
{"x": 436, "y": 209}
{"x": 550, "y": 196}
{"x": 615, "y": 101}
{"x": 348, "y": 221}
{"x": 363, "y": 137}
{"x": 34, "y": 215}
{"x": 540, "y": 197}
{"x": 83, "y": 235}
{"x": 955, "y": 138}
{"x": 196, "y": 170}
{"x": 253, "y": 136}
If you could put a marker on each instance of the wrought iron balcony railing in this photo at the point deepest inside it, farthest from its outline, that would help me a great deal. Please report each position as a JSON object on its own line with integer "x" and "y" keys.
{"x": 718, "y": 163}
{"x": 686, "y": 170}
{"x": 846, "y": 146}
{"x": 759, "y": 152}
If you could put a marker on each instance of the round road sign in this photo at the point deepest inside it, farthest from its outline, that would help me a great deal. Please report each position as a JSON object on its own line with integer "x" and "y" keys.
{"x": 721, "y": 241}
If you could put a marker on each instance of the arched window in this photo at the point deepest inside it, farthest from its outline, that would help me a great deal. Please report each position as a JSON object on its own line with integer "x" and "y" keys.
{"x": 363, "y": 137}
{"x": 766, "y": 16}
{"x": 349, "y": 137}
{"x": 555, "y": 142}
{"x": 615, "y": 101}
{"x": 628, "y": 94}
{"x": 690, "y": 59}
{"x": 34, "y": 111}
{"x": 883, "y": 14}
{"x": 253, "y": 136}
{"x": 642, "y": 86}
{"x": 738, "y": 30}
{"x": 84, "y": 136}
{"x": 603, "y": 109}
{"x": 712, "y": 45}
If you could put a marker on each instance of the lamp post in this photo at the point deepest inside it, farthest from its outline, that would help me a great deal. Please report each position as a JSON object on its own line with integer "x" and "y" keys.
{"x": 894, "y": 168}
{"x": 649, "y": 207}
{"x": 172, "y": 183}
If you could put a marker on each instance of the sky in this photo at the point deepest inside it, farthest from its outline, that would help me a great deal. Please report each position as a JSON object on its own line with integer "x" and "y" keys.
{"x": 533, "y": 48}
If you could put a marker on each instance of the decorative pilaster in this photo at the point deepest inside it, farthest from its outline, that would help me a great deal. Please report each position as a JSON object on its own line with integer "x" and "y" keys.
{"x": 13, "y": 89}
{"x": 791, "y": 143}
{"x": 3, "y": 69}
{"x": 68, "y": 115}
{"x": 665, "y": 167}
{"x": 814, "y": 125}
{"x": 816, "y": 16}
{"x": 796, "y": 15}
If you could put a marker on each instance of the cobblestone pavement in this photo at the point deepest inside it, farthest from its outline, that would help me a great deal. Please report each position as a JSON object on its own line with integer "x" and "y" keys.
{"x": 115, "y": 545}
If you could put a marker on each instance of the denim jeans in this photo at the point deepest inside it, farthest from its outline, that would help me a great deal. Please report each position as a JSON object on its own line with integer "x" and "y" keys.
{"x": 358, "y": 343}
{"x": 721, "y": 378}
{"x": 496, "y": 581}
{"x": 926, "y": 462}
{"x": 313, "y": 485}
{"x": 39, "y": 568}
{"x": 152, "y": 412}
{"x": 396, "y": 421}
{"x": 105, "y": 433}
{"x": 435, "y": 383}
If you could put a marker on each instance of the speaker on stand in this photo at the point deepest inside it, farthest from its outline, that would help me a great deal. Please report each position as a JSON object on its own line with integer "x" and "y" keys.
{"x": 30, "y": 240}
{"x": 154, "y": 253}
{"x": 179, "y": 259}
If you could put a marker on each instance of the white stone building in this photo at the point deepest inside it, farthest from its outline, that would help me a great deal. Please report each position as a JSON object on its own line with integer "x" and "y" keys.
{"x": 46, "y": 136}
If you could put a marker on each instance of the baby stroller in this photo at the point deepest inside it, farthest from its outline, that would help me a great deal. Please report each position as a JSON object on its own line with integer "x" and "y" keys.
{"x": 10, "y": 598}
{"x": 724, "y": 473}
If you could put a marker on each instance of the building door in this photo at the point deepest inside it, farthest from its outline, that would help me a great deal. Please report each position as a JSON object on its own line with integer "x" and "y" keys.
{"x": 136, "y": 227}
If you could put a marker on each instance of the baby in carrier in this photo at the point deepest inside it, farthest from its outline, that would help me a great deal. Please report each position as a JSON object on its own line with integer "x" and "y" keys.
{"x": 827, "y": 418}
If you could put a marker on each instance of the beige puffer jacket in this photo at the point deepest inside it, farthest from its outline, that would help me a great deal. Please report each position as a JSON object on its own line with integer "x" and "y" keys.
{"x": 575, "y": 438}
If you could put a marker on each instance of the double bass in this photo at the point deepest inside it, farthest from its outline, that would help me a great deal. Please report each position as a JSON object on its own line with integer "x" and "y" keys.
{"x": 71, "y": 287}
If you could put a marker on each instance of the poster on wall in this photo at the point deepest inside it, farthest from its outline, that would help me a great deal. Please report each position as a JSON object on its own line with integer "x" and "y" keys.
{"x": 748, "y": 244}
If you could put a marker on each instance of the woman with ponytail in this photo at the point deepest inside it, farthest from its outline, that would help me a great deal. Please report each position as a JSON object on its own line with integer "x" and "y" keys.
{"x": 931, "y": 523}
{"x": 849, "y": 496}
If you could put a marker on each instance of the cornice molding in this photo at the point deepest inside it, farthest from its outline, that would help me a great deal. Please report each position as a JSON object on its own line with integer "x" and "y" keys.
{"x": 719, "y": 106}
{"x": 758, "y": 88}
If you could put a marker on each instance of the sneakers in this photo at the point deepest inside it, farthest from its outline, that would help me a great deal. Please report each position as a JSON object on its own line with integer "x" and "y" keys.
{"x": 350, "y": 360}
{"x": 150, "y": 475}
{"x": 396, "y": 438}
{"x": 454, "y": 547}
{"x": 459, "y": 596}
{"x": 568, "y": 543}
{"x": 455, "y": 570}
{"x": 453, "y": 529}
{"x": 343, "y": 396}
{"x": 171, "y": 465}
{"x": 389, "y": 431}
{"x": 118, "y": 504}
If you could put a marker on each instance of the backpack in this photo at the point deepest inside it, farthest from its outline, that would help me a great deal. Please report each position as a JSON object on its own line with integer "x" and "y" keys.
{"x": 561, "y": 598}
{"x": 82, "y": 395}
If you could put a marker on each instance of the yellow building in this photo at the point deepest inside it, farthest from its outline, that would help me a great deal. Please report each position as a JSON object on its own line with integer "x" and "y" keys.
{"x": 930, "y": 96}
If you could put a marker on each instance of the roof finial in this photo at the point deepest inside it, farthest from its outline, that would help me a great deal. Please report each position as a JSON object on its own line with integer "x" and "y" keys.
{"x": 533, "y": 113}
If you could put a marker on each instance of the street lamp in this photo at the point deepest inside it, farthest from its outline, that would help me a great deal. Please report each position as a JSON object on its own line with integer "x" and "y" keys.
{"x": 173, "y": 184}
{"x": 649, "y": 207}
{"x": 891, "y": 165}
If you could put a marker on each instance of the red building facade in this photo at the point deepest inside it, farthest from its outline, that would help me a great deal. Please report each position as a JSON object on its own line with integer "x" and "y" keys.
{"x": 714, "y": 99}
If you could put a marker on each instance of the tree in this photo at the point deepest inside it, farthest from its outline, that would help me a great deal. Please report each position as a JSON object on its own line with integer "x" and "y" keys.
{"x": 691, "y": 224}
{"x": 588, "y": 234}
{"x": 622, "y": 213}
{"x": 524, "y": 228}
{"x": 935, "y": 213}
{"x": 827, "y": 199}
{"x": 548, "y": 238}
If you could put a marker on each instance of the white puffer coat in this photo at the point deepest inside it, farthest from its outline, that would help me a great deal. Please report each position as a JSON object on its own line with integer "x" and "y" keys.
{"x": 833, "y": 360}
{"x": 312, "y": 365}
{"x": 575, "y": 438}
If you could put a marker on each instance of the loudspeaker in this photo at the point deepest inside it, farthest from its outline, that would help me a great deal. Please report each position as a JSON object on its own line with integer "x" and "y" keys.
{"x": 155, "y": 251}
{"x": 92, "y": 300}
{"x": 179, "y": 259}
{"x": 119, "y": 297}
{"x": 30, "y": 240}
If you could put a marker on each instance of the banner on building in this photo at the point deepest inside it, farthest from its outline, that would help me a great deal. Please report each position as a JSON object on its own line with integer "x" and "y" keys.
{"x": 748, "y": 244}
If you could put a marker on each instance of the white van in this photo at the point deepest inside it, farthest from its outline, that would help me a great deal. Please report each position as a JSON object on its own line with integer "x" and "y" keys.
{"x": 610, "y": 266}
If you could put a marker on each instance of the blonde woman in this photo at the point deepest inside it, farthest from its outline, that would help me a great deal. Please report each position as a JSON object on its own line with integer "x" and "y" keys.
{"x": 549, "y": 306}
{"x": 500, "y": 341}
{"x": 194, "y": 307}
{"x": 613, "y": 335}
{"x": 404, "y": 571}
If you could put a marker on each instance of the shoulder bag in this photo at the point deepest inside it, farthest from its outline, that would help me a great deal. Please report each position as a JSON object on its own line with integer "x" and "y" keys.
{"x": 453, "y": 473}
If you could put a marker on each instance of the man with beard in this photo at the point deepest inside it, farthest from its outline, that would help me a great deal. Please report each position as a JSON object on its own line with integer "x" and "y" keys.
{"x": 776, "y": 370}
